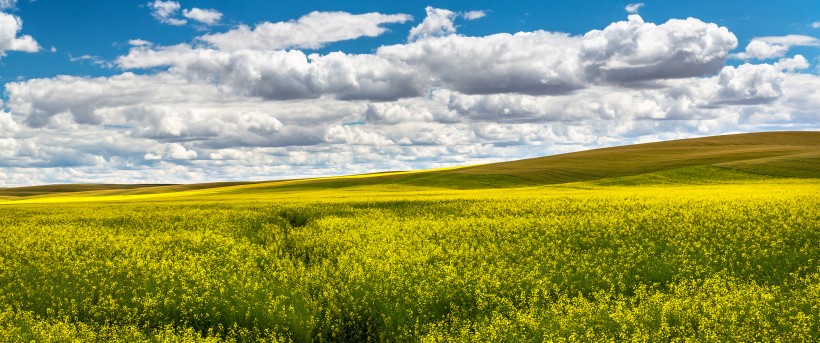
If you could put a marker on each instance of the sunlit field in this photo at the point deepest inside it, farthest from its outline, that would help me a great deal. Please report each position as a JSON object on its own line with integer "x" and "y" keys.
{"x": 730, "y": 261}
{"x": 718, "y": 251}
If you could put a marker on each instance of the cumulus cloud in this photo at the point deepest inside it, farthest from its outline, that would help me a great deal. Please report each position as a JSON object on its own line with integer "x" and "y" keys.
{"x": 633, "y": 50}
{"x": 355, "y": 136}
{"x": 749, "y": 84}
{"x": 166, "y": 12}
{"x": 311, "y": 31}
{"x": 10, "y": 26}
{"x": 260, "y": 123}
{"x": 762, "y": 48}
{"x": 542, "y": 63}
{"x": 527, "y": 62}
{"x": 7, "y": 123}
{"x": 282, "y": 74}
{"x": 204, "y": 16}
{"x": 815, "y": 25}
{"x": 633, "y": 8}
{"x": 792, "y": 64}
{"x": 172, "y": 151}
{"x": 438, "y": 22}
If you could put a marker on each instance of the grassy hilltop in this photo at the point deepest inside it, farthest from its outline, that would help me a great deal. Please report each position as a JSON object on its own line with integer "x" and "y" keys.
{"x": 753, "y": 156}
{"x": 708, "y": 239}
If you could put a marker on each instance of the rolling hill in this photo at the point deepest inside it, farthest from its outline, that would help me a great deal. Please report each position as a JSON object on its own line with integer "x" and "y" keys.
{"x": 793, "y": 154}
{"x": 739, "y": 156}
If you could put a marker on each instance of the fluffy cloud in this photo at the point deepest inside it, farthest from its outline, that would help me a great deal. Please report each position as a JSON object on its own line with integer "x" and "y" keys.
{"x": 633, "y": 8}
{"x": 7, "y": 124}
{"x": 797, "y": 62}
{"x": 311, "y": 31}
{"x": 172, "y": 151}
{"x": 438, "y": 22}
{"x": 260, "y": 123}
{"x": 204, "y": 16}
{"x": 10, "y": 26}
{"x": 166, "y": 11}
{"x": 534, "y": 63}
{"x": 473, "y": 15}
{"x": 528, "y": 62}
{"x": 749, "y": 84}
{"x": 633, "y": 50}
{"x": 763, "y": 48}
{"x": 222, "y": 108}
{"x": 280, "y": 74}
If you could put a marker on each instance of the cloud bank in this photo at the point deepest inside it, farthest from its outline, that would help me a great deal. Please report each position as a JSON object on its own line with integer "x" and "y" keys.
{"x": 255, "y": 102}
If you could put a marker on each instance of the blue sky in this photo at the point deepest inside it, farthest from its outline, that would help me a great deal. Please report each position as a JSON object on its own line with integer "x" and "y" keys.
{"x": 192, "y": 91}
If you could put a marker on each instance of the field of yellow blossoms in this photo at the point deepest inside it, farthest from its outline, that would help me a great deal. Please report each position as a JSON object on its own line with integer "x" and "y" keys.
{"x": 578, "y": 262}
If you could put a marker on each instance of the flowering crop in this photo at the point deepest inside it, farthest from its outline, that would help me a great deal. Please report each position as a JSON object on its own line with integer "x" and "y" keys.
{"x": 709, "y": 262}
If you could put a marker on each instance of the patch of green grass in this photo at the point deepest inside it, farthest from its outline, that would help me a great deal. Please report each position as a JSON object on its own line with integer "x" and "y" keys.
{"x": 700, "y": 175}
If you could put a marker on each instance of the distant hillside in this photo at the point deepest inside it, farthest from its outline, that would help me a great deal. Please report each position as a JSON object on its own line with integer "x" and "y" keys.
{"x": 778, "y": 154}
{"x": 108, "y": 188}
{"x": 752, "y": 155}
{"x": 794, "y": 154}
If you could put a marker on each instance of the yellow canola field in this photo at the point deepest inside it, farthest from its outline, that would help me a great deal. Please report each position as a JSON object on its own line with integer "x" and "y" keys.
{"x": 276, "y": 262}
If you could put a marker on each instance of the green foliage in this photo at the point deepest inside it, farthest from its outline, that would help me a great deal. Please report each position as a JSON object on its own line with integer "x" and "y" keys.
{"x": 734, "y": 261}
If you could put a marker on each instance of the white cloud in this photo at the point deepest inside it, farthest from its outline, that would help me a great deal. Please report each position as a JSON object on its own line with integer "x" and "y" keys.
{"x": 10, "y": 26}
{"x": 394, "y": 113}
{"x": 96, "y": 60}
{"x": 633, "y": 8}
{"x": 7, "y": 123}
{"x": 280, "y": 74}
{"x": 355, "y": 136}
{"x": 260, "y": 123}
{"x": 437, "y": 23}
{"x": 139, "y": 42}
{"x": 204, "y": 16}
{"x": 749, "y": 84}
{"x": 6, "y": 4}
{"x": 527, "y": 62}
{"x": 311, "y": 31}
{"x": 633, "y": 50}
{"x": 791, "y": 40}
{"x": 473, "y": 15}
{"x": 172, "y": 151}
{"x": 166, "y": 11}
{"x": 815, "y": 25}
{"x": 762, "y": 48}
{"x": 797, "y": 62}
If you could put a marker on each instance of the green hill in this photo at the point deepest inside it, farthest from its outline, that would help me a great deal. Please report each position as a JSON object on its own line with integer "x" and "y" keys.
{"x": 776, "y": 154}
{"x": 793, "y": 154}
{"x": 727, "y": 157}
